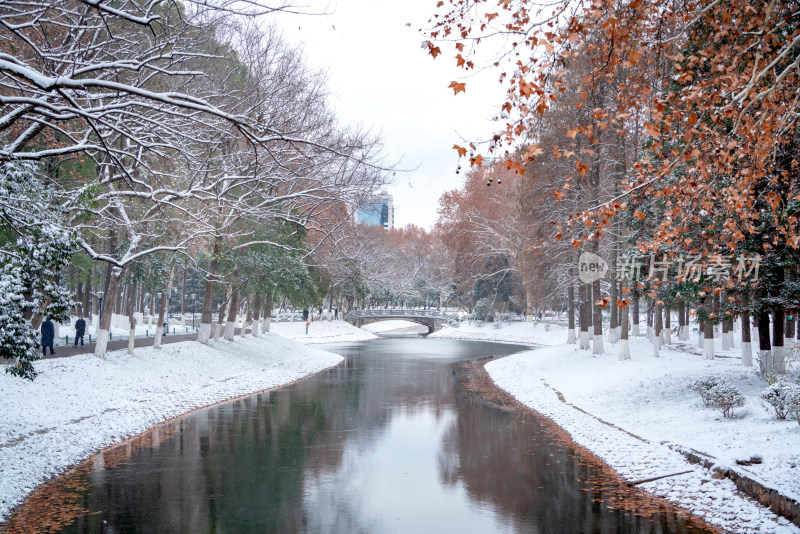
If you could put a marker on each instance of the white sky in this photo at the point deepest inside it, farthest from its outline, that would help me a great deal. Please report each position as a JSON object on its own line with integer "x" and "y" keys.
{"x": 380, "y": 77}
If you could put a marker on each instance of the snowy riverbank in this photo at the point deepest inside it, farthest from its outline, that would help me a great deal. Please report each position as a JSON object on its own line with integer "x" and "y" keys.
{"x": 80, "y": 404}
{"x": 320, "y": 332}
{"x": 630, "y": 413}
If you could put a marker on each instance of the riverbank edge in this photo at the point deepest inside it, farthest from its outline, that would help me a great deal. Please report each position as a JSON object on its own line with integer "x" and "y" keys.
{"x": 769, "y": 498}
{"x": 479, "y": 382}
{"x": 48, "y": 478}
{"x": 7, "y": 522}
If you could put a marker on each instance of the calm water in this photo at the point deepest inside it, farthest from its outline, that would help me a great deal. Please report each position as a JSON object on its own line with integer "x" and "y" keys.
{"x": 389, "y": 441}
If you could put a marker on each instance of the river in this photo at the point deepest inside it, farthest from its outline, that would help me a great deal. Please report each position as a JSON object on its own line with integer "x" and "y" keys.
{"x": 395, "y": 439}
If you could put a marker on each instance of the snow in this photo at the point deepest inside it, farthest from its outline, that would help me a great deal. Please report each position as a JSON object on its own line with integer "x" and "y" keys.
{"x": 80, "y": 404}
{"x": 391, "y": 325}
{"x": 320, "y": 331}
{"x": 514, "y": 332}
{"x": 632, "y": 414}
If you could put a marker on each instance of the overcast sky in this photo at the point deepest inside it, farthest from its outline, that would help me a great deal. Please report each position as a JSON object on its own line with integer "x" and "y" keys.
{"x": 381, "y": 77}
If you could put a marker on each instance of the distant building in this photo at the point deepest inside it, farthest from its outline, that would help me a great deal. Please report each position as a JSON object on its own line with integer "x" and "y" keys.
{"x": 378, "y": 212}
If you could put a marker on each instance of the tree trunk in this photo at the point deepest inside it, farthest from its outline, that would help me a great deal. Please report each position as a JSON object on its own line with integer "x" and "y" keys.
{"x": 788, "y": 332}
{"x": 583, "y": 319}
{"x": 246, "y": 316}
{"x": 747, "y": 350}
{"x": 597, "y": 319}
{"x": 657, "y": 327}
{"x": 708, "y": 329}
{"x": 114, "y": 280}
{"x": 571, "y": 316}
{"x": 79, "y": 299}
{"x": 726, "y": 342}
{"x": 681, "y": 319}
{"x": 258, "y": 303}
{"x": 233, "y": 309}
{"x": 635, "y": 310}
{"x": 613, "y": 321}
{"x": 624, "y": 313}
{"x": 204, "y": 332}
{"x": 221, "y": 314}
{"x": 778, "y": 352}
{"x": 667, "y": 325}
{"x": 529, "y": 303}
{"x": 267, "y": 312}
{"x": 87, "y": 295}
{"x": 131, "y": 318}
{"x": 162, "y": 314}
{"x": 764, "y": 346}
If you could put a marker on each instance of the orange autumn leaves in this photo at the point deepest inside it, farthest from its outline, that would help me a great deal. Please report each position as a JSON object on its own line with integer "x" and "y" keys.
{"x": 705, "y": 94}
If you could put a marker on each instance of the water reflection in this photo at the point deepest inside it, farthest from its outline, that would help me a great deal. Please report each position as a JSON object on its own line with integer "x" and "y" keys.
{"x": 389, "y": 441}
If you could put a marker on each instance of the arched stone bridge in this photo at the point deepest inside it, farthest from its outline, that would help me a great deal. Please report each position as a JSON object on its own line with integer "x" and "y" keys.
{"x": 433, "y": 319}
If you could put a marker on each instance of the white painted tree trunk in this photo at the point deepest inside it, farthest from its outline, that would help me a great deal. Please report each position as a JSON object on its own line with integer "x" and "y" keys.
{"x": 765, "y": 362}
{"x": 571, "y": 336}
{"x": 708, "y": 349}
{"x": 747, "y": 354}
{"x": 597, "y": 344}
{"x": 613, "y": 335}
{"x": 727, "y": 340}
{"x": 700, "y": 338}
{"x": 667, "y": 336}
{"x": 204, "y": 334}
{"x": 656, "y": 345}
{"x": 635, "y": 330}
{"x": 265, "y": 325}
{"x": 102, "y": 343}
{"x": 131, "y": 340}
{"x": 230, "y": 328}
{"x": 779, "y": 360}
{"x": 584, "y": 339}
{"x": 217, "y": 331}
{"x": 624, "y": 350}
{"x": 157, "y": 337}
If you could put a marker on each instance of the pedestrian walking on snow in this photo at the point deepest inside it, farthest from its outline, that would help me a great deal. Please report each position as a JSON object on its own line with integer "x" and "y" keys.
{"x": 80, "y": 330}
{"x": 48, "y": 335}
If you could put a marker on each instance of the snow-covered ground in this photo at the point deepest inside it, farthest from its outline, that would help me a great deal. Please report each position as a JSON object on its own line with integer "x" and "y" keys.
{"x": 320, "y": 331}
{"x": 629, "y": 413}
{"x": 80, "y": 404}
{"x": 515, "y": 332}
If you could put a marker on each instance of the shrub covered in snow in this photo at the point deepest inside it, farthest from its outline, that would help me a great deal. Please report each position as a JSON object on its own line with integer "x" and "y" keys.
{"x": 704, "y": 385}
{"x": 782, "y": 396}
{"x": 725, "y": 397}
{"x": 793, "y": 403}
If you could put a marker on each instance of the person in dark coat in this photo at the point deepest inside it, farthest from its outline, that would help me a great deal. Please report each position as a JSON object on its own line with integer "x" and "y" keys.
{"x": 48, "y": 335}
{"x": 80, "y": 330}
